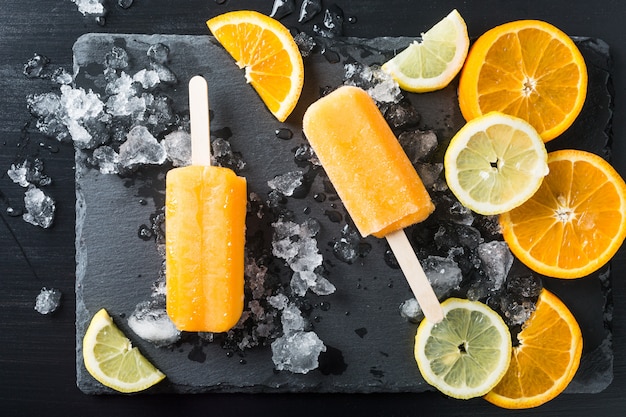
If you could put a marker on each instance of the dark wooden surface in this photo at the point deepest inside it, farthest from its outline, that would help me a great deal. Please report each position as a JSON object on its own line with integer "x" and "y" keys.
{"x": 37, "y": 370}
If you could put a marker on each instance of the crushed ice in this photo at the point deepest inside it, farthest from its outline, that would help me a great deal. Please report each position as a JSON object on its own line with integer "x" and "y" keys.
{"x": 48, "y": 300}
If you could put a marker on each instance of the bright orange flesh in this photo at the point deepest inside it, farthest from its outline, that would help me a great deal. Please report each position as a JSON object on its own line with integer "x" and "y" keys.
{"x": 529, "y": 69}
{"x": 266, "y": 49}
{"x": 367, "y": 166}
{"x": 546, "y": 359}
{"x": 575, "y": 222}
{"x": 205, "y": 222}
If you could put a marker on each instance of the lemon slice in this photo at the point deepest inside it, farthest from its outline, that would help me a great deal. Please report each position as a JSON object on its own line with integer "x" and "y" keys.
{"x": 495, "y": 163}
{"x": 431, "y": 64}
{"x": 467, "y": 353}
{"x": 112, "y": 360}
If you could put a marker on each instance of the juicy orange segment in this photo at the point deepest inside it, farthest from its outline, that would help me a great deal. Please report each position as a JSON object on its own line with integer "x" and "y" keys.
{"x": 265, "y": 48}
{"x": 546, "y": 359}
{"x": 529, "y": 69}
{"x": 575, "y": 222}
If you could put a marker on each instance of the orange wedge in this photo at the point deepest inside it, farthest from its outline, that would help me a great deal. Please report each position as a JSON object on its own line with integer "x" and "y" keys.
{"x": 546, "y": 359}
{"x": 576, "y": 220}
{"x": 529, "y": 69}
{"x": 266, "y": 50}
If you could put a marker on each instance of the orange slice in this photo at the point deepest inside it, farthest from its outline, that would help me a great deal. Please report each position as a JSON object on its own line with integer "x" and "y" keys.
{"x": 576, "y": 220}
{"x": 529, "y": 69}
{"x": 265, "y": 48}
{"x": 546, "y": 359}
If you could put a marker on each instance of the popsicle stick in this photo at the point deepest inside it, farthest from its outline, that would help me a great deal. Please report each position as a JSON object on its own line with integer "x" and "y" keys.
{"x": 412, "y": 269}
{"x": 199, "y": 119}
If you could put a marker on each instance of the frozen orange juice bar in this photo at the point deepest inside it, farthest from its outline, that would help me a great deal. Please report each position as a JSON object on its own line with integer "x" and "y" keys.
{"x": 373, "y": 177}
{"x": 205, "y": 233}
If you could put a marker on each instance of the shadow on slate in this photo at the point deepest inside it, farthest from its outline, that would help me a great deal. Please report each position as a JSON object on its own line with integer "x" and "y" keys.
{"x": 369, "y": 345}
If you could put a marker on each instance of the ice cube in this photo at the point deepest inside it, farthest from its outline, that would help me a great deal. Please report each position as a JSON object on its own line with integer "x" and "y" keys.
{"x": 61, "y": 76}
{"x": 177, "y": 145}
{"x": 35, "y": 66}
{"x": 159, "y": 53}
{"x": 332, "y": 22}
{"x": 496, "y": 259}
{"x": 223, "y": 155}
{"x": 349, "y": 247}
{"x": 106, "y": 159}
{"x": 165, "y": 74}
{"x": 297, "y": 352}
{"x": 90, "y": 7}
{"x": 302, "y": 281}
{"x": 378, "y": 84}
{"x": 29, "y": 172}
{"x": 48, "y": 300}
{"x": 287, "y": 183}
{"x": 147, "y": 78}
{"x": 278, "y": 301}
{"x": 402, "y": 114}
{"x": 410, "y": 310}
{"x": 309, "y": 9}
{"x": 151, "y": 322}
{"x": 141, "y": 148}
{"x": 418, "y": 144}
{"x": 39, "y": 207}
{"x": 282, "y": 8}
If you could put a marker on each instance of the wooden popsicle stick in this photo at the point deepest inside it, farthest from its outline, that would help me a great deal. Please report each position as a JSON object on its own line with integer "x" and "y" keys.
{"x": 415, "y": 276}
{"x": 199, "y": 120}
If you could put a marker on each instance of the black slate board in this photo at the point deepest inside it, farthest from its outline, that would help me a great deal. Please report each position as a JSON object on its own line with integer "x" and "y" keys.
{"x": 369, "y": 344}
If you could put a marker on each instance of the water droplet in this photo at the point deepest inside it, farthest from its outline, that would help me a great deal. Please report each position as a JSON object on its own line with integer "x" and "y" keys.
{"x": 352, "y": 19}
{"x": 320, "y": 197}
{"x": 283, "y": 133}
{"x": 333, "y": 215}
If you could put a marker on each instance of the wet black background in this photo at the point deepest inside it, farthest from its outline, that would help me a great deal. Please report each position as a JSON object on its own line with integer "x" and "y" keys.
{"x": 37, "y": 371}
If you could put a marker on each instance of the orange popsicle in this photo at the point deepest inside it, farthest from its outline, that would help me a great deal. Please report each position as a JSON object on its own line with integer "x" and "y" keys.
{"x": 373, "y": 177}
{"x": 205, "y": 233}
{"x": 367, "y": 166}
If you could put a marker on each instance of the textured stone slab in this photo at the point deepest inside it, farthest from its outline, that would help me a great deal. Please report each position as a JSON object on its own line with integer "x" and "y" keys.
{"x": 369, "y": 344}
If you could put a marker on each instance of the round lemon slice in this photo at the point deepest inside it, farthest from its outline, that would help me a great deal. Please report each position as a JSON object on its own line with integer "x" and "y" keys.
{"x": 112, "y": 360}
{"x": 433, "y": 63}
{"x": 495, "y": 163}
{"x": 467, "y": 353}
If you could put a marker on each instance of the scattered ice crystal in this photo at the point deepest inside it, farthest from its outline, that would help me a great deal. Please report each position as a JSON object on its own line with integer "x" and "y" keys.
{"x": 278, "y": 301}
{"x": 151, "y": 322}
{"x": 141, "y": 148}
{"x": 164, "y": 73}
{"x": 29, "y": 172}
{"x": 39, "y": 207}
{"x": 309, "y": 9}
{"x": 223, "y": 155}
{"x": 282, "y": 8}
{"x": 296, "y": 244}
{"x": 297, "y": 350}
{"x": 48, "y": 301}
{"x": 287, "y": 183}
{"x": 350, "y": 246}
{"x": 90, "y": 7}
{"x": 411, "y": 310}
{"x": 378, "y": 84}
{"x": 177, "y": 145}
